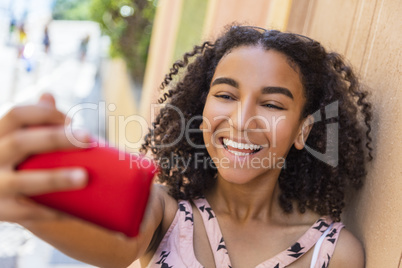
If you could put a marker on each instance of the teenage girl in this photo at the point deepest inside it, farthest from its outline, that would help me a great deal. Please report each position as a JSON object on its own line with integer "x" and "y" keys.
{"x": 258, "y": 144}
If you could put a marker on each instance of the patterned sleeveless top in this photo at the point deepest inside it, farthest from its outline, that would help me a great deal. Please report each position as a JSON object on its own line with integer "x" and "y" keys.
{"x": 176, "y": 248}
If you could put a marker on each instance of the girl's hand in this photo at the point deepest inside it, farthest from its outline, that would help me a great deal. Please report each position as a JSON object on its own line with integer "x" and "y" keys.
{"x": 79, "y": 239}
{"x": 18, "y": 141}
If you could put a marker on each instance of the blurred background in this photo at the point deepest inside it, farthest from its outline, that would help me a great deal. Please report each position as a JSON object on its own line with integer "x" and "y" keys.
{"x": 104, "y": 60}
{"x": 64, "y": 47}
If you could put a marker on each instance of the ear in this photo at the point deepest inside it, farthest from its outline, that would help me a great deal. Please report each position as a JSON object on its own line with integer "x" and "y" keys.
{"x": 304, "y": 131}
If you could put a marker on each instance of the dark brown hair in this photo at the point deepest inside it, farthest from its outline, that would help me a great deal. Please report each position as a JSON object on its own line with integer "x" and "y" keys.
{"x": 308, "y": 181}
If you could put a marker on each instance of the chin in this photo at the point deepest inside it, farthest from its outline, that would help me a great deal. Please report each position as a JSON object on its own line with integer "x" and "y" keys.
{"x": 245, "y": 176}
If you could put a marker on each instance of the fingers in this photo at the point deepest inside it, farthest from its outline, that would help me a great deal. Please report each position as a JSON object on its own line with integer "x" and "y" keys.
{"x": 15, "y": 207}
{"x": 36, "y": 182}
{"x": 21, "y": 143}
{"x": 18, "y": 140}
{"x": 24, "y": 209}
{"x": 31, "y": 115}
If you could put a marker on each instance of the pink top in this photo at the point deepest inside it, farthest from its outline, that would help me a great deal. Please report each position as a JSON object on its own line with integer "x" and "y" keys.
{"x": 176, "y": 248}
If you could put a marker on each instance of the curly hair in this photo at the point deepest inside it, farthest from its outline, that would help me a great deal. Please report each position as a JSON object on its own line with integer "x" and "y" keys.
{"x": 306, "y": 181}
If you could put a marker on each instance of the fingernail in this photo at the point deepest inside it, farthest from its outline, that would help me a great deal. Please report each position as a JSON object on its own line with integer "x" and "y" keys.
{"x": 85, "y": 138}
{"x": 81, "y": 135}
{"x": 46, "y": 103}
{"x": 78, "y": 177}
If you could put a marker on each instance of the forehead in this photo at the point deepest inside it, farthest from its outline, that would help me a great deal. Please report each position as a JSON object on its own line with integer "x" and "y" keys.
{"x": 256, "y": 66}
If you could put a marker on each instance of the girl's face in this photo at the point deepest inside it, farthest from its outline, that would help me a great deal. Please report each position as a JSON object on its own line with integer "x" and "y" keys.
{"x": 252, "y": 113}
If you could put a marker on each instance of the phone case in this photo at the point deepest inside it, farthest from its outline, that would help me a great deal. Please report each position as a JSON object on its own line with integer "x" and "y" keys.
{"x": 117, "y": 192}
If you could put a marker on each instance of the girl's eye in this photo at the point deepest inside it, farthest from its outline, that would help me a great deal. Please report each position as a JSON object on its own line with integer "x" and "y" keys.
{"x": 272, "y": 106}
{"x": 224, "y": 96}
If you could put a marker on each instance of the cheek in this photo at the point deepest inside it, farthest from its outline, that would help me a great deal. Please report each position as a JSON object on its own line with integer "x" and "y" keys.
{"x": 214, "y": 108}
{"x": 206, "y": 123}
{"x": 282, "y": 134}
{"x": 211, "y": 118}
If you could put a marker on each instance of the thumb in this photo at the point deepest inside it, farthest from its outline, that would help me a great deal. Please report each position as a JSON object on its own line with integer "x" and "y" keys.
{"x": 47, "y": 99}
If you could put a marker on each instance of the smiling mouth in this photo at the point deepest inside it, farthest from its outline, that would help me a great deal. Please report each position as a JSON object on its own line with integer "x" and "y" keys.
{"x": 240, "y": 149}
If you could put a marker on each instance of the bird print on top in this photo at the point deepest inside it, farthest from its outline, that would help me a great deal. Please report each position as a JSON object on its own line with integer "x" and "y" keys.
{"x": 326, "y": 263}
{"x": 295, "y": 249}
{"x": 330, "y": 235}
{"x": 162, "y": 260}
{"x": 209, "y": 210}
{"x": 320, "y": 224}
{"x": 189, "y": 215}
{"x": 176, "y": 248}
{"x": 221, "y": 245}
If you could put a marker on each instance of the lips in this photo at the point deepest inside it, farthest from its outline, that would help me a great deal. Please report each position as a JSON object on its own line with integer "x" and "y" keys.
{"x": 240, "y": 149}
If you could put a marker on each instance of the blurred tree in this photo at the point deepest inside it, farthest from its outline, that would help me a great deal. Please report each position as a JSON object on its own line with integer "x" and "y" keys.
{"x": 71, "y": 10}
{"x": 128, "y": 23}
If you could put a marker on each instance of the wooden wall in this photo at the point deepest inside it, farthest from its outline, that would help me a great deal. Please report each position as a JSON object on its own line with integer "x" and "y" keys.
{"x": 368, "y": 33}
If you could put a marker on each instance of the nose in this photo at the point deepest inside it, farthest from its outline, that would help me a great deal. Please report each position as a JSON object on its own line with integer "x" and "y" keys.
{"x": 244, "y": 117}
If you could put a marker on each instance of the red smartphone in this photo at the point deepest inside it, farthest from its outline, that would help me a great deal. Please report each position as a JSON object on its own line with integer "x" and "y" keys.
{"x": 118, "y": 187}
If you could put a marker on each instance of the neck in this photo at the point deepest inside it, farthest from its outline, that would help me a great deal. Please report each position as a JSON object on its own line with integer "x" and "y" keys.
{"x": 255, "y": 200}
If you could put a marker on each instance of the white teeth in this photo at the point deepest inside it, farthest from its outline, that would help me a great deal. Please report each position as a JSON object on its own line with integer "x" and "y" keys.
{"x": 238, "y": 153}
{"x": 239, "y": 145}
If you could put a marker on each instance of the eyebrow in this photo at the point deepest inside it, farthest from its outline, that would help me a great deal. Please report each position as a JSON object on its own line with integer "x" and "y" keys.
{"x": 225, "y": 80}
{"x": 280, "y": 90}
{"x": 265, "y": 90}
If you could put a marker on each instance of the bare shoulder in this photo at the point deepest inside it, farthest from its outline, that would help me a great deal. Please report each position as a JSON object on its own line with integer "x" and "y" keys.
{"x": 160, "y": 213}
{"x": 348, "y": 251}
{"x": 161, "y": 209}
{"x": 169, "y": 204}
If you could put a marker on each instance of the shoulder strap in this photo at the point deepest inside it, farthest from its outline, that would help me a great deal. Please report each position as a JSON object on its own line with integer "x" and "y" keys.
{"x": 176, "y": 248}
{"x": 318, "y": 246}
{"x": 324, "y": 250}
{"x": 302, "y": 246}
{"x": 213, "y": 232}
